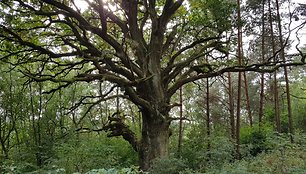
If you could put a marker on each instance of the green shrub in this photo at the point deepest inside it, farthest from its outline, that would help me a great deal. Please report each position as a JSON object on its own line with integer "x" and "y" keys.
{"x": 130, "y": 170}
{"x": 17, "y": 167}
{"x": 195, "y": 150}
{"x": 254, "y": 138}
{"x": 168, "y": 165}
{"x": 285, "y": 158}
{"x": 92, "y": 152}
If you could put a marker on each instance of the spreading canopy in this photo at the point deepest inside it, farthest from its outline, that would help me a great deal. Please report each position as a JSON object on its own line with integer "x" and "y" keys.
{"x": 149, "y": 48}
{"x": 124, "y": 42}
{"x": 140, "y": 45}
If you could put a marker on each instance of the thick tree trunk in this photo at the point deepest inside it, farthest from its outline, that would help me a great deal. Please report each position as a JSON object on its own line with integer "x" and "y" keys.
{"x": 155, "y": 119}
{"x": 154, "y": 134}
{"x": 155, "y": 139}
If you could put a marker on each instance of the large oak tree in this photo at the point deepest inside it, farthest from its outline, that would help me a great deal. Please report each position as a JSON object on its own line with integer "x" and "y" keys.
{"x": 148, "y": 48}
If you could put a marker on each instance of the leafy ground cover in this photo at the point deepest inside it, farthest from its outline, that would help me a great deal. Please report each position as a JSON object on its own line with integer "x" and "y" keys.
{"x": 278, "y": 156}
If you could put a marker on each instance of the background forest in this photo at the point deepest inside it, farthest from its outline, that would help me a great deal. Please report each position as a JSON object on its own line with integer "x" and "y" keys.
{"x": 244, "y": 112}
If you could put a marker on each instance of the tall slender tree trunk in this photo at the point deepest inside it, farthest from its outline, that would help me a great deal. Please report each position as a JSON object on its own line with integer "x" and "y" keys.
{"x": 208, "y": 130}
{"x": 282, "y": 54}
{"x": 246, "y": 88}
{"x": 3, "y": 136}
{"x": 4, "y": 149}
{"x": 275, "y": 84}
{"x": 231, "y": 106}
{"x": 39, "y": 156}
{"x": 180, "y": 137}
{"x": 117, "y": 101}
{"x": 10, "y": 126}
{"x": 262, "y": 78}
{"x": 238, "y": 116}
{"x": 35, "y": 116}
{"x": 61, "y": 112}
{"x": 240, "y": 55}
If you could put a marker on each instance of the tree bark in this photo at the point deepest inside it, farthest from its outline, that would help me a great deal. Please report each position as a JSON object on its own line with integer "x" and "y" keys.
{"x": 208, "y": 130}
{"x": 262, "y": 78}
{"x": 4, "y": 149}
{"x": 246, "y": 88}
{"x": 155, "y": 139}
{"x": 275, "y": 84}
{"x": 282, "y": 54}
{"x": 180, "y": 136}
{"x": 231, "y": 106}
{"x": 240, "y": 56}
